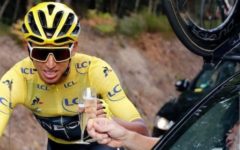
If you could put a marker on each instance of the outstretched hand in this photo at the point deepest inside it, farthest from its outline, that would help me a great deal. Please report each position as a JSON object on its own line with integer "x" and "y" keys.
{"x": 106, "y": 131}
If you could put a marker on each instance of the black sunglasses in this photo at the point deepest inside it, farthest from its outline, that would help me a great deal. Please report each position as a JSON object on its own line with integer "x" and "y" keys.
{"x": 41, "y": 54}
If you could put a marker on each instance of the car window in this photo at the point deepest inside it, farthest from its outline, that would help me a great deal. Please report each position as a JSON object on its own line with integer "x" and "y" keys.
{"x": 207, "y": 126}
{"x": 204, "y": 80}
{"x": 209, "y": 78}
{"x": 210, "y": 130}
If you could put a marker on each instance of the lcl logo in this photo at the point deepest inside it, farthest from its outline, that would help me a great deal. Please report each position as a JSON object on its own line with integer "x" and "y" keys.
{"x": 28, "y": 70}
{"x": 42, "y": 87}
{"x": 115, "y": 94}
{"x": 69, "y": 84}
{"x": 81, "y": 67}
{"x": 70, "y": 105}
{"x": 71, "y": 102}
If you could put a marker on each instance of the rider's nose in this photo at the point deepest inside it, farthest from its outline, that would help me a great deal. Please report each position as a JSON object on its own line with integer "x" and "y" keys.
{"x": 51, "y": 63}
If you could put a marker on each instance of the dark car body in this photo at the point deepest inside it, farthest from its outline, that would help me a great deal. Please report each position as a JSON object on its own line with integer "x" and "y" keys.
{"x": 208, "y": 78}
{"x": 207, "y": 124}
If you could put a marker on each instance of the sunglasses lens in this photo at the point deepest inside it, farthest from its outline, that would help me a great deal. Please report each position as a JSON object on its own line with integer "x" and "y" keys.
{"x": 41, "y": 54}
{"x": 61, "y": 55}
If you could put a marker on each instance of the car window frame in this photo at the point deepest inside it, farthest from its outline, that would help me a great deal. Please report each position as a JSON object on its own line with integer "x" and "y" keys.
{"x": 176, "y": 128}
{"x": 215, "y": 70}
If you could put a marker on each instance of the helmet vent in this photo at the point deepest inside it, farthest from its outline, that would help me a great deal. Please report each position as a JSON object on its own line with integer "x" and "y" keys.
{"x": 49, "y": 32}
{"x": 24, "y": 29}
{"x": 70, "y": 19}
{"x": 76, "y": 29}
{"x": 61, "y": 40}
{"x": 67, "y": 24}
{"x": 36, "y": 39}
{"x": 42, "y": 18}
{"x": 50, "y": 9}
{"x": 32, "y": 24}
{"x": 57, "y": 19}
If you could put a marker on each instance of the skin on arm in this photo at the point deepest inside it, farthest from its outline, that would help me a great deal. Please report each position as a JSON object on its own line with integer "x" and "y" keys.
{"x": 233, "y": 137}
{"x": 109, "y": 132}
{"x": 136, "y": 125}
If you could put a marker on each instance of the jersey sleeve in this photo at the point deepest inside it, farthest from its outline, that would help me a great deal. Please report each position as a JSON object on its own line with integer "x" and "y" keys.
{"x": 11, "y": 93}
{"x": 106, "y": 83}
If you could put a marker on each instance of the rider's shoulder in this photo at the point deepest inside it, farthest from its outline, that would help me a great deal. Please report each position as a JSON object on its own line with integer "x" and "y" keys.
{"x": 89, "y": 63}
{"x": 24, "y": 66}
{"x": 24, "y": 63}
{"x": 79, "y": 57}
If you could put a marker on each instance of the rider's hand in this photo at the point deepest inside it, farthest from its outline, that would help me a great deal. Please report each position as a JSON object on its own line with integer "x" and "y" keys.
{"x": 103, "y": 109}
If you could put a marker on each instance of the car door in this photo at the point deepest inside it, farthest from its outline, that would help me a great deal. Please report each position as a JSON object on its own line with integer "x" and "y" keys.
{"x": 206, "y": 125}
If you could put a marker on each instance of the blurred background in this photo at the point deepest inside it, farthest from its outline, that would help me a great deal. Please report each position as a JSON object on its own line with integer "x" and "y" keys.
{"x": 134, "y": 36}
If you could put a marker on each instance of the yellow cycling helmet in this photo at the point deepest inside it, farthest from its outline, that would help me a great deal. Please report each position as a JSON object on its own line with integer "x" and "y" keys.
{"x": 51, "y": 23}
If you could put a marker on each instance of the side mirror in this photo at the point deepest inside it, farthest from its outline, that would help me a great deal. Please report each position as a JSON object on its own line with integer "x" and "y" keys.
{"x": 182, "y": 85}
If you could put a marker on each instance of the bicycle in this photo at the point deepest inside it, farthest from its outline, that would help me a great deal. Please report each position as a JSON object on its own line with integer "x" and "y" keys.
{"x": 175, "y": 108}
{"x": 184, "y": 17}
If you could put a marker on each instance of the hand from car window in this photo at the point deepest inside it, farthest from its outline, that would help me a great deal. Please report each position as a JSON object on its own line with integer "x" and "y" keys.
{"x": 233, "y": 137}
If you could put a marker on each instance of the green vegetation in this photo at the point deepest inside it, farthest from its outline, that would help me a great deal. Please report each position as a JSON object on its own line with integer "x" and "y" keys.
{"x": 165, "y": 28}
{"x": 157, "y": 23}
{"x": 144, "y": 22}
{"x": 104, "y": 23}
{"x": 5, "y": 29}
{"x": 105, "y": 29}
{"x": 210, "y": 24}
{"x": 132, "y": 26}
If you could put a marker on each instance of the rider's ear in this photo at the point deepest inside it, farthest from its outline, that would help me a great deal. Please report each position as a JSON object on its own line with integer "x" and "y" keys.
{"x": 75, "y": 47}
{"x": 25, "y": 45}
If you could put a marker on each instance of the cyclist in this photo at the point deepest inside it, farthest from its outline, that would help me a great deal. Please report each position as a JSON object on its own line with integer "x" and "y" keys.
{"x": 49, "y": 82}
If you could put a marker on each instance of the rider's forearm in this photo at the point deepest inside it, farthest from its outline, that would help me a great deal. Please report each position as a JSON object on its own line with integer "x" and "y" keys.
{"x": 137, "y": 125}
{"x": 135, "y": 141}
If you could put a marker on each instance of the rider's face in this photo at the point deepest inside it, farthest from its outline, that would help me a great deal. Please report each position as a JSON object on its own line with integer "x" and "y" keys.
{"x": 50, "y": 71}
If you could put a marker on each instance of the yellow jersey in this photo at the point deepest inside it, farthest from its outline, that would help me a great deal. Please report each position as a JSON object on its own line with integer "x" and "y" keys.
{"x": 55, "y": 105}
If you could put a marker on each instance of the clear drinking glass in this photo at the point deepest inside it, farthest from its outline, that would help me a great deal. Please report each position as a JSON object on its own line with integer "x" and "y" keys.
{"x": 90, "y": 111}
